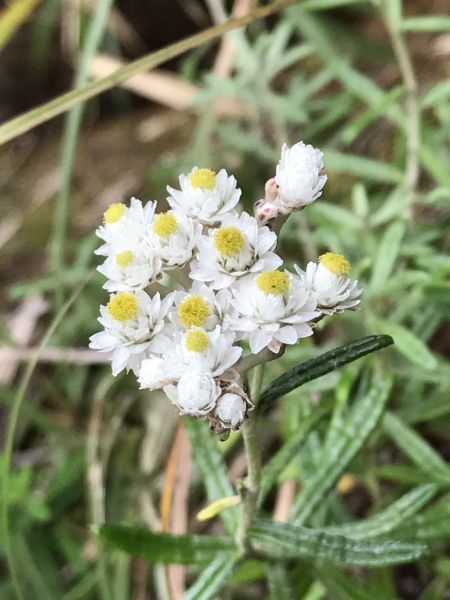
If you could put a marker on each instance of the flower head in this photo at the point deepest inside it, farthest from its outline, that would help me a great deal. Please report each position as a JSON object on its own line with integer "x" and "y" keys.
{"x": 299, "y": 176}
{"x": 134, "y": 327}
{"x": 231, "y": 409}
{"x": 201, "y": 306}
{"x": 173, "y": 237}
{"x": 237, "y": 248}
{"x": 271, "y": 309}
{"x": 205, "y": 196}
{"x": 329, "y": 283}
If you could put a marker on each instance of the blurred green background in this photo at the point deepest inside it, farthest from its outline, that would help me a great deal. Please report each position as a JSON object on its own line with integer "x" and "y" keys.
{"x": 368, "y": 83}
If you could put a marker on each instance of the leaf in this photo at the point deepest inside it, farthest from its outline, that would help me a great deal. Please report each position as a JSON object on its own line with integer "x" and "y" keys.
{"x": 387, "y": 254}
{"x": 278, "y": 463}
{"x": 327, "y": 4}
{"x": 321, "y": 365}
{"x": 416, "y": 448}
{"x": 436, "y": 94}
{"x": 212, "y": 579}
{"x": 357, "y": 427}
{"x": 426, "y": 23}
{"x": 434, "y": 523}
{"x": 343, "y": 586}
{"x": 18, "y": 125}
{"x": 359, "y": 166}
{"x": 284, "y": 541}
{"x": 408, "y": 344}
{"x": 212, "y": 468}
{"x": 13, "y": 17}
{"x": 280, "y": 585}
{"x": 389, "y": 518}
{"x": 164, "y": 547}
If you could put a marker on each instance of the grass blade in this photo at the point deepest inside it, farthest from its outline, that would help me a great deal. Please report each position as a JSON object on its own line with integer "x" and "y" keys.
{"x": 280, "y": 585}
{"x": 12, "y": 424}
{"x": 212, "y": 468}
{"x": 212, "y": 579}
{"x": 71, "y": 131}
{"x": 409, "y": 345}
{"x": 12, "y": 17}
{"x": 321, "y": 365}
{"x": 356, "y": 429}
{"x": 284, "y": 541}
{"x": 434, "y": 523}
{"x": 342, "y": 586}
{"x": 273, "y": 469}
{"x": 18, "y": 125}
{"x": 164, "y": 547}
{"x": 388, "y": 250}
{"x": 359, "y": 166}
{"x": 426, "y": 23}
{"x": 416, "y": 448}
{"x": 388, "y": 519}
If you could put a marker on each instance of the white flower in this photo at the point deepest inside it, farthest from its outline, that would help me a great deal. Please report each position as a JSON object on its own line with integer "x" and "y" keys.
{"x": 134, "y": 328}
{"x": 299, "y": 176}
{"x": 173, "y": 236}
{"x": 329, "y": 284}
{"x": 124, "y": 226}
{"x": 132, "y": 268}
{"x": 196, "y": 393}
{"x": 231, "y": 409}
{"x": 200, "y": 307}
{"x": 272, "y": 308}
{"x": 205, "y": 196}
{"x": 239, "y": 247}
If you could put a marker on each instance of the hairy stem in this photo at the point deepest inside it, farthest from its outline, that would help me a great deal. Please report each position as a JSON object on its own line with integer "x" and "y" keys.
{"x": 252, "y": 450}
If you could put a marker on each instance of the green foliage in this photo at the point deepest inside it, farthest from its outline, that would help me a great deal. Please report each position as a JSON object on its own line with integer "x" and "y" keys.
{"x": 163, "y": 547}
{"x": 315, "y": 74}
{"x": 284, "y": 541}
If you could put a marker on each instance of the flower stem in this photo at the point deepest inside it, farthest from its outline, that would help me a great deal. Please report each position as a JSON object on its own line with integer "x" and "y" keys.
{"x": 252, "y": 450}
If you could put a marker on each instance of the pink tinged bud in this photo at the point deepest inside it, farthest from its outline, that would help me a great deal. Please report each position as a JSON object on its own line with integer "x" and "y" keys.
{"x": 266, "y": 211}
{"x": 271, "y": 189}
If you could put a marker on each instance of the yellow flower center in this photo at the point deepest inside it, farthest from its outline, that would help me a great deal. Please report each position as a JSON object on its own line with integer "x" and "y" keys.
{"x": 193, "y": 311}
{"x": 335, "y": 263}
{"x": 122, "y": 306}
{"x": 203, "y": 178}
{"x": 196, "y": 340}
{"x": 164, "y": 224}
{"x": 113, "y": 213}
{"x": 124, "y": 258}
{"x": 229, "y": 240}
{"x": 273, "y": 282}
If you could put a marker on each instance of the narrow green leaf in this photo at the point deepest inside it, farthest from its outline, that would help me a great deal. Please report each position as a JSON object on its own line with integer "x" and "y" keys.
{"x": 211, "y": 466}
{"x": 327, "y": 4}
{"x": 426, "y": 23}
{"x": 343, "y": 586}
{"x": 366, "y": 168}
{"x": 388, "y": 519}
{"x": 409, "y": 345}
{"x": 163, "y": 547}
{"x": 388, "y": 250}
{"x": 212, "y": 579}
{"x": 437, "y": 93}
{"x": 276, "y": 465}
{"x": 416, "y": 448}
{"x": 357, "y": 427}
{"x": 64, "y": 102}
{"x": 284, "y": 541}
{"x": 13, "y": 16}
{"x": 434, "y": 523}
{"x": 321, "y": 365}
{"x": 280, "y": 585}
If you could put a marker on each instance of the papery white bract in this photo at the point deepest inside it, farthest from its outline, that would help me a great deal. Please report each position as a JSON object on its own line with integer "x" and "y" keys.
{"x": 299, "y": 176}
{"x": 130, "y": 268}
{"x": 124, "y": 226}
{"x": 196, "y": 393}
{"x": 329, "y": 283}
{"x": 205, "y": 196}
{"x": 173, "y": 237}
{"x": 239, "y": 247}
{"x": 201, "y": 306}
{"x": 272, "y": 308}
{"x": 134, "y": 328}
{"x": 231, "y": 409}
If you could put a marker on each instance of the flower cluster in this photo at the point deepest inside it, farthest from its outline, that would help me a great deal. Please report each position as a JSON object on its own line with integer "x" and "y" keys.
{"x": 193, "y": 286}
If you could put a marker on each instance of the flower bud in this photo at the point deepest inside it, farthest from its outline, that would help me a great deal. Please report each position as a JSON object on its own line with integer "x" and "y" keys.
{"x": 197, "y": 392}
{"x": 266, "y": 211}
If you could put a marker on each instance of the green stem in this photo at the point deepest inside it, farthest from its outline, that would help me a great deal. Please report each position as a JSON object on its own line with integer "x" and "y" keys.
{"x": 253, "y": 454}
